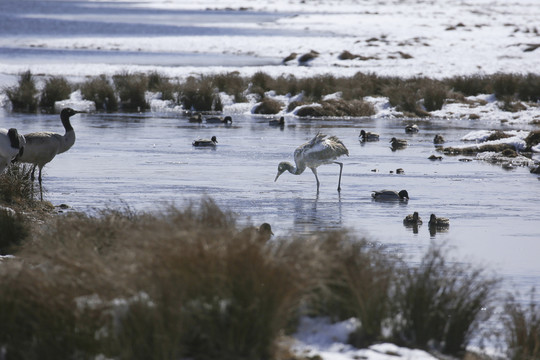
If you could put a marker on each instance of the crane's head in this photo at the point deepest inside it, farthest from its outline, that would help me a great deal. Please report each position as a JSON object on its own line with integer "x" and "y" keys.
{"x": 282, "y": 167}
{"x": 69, "y": 112}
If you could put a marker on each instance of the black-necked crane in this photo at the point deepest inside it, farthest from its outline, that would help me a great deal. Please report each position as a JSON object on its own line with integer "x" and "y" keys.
{"x": 11, "y": 145}
{"x": 205, "y": 142}
{"x": 318, "y": 151}
{"x": 42, "y": 147}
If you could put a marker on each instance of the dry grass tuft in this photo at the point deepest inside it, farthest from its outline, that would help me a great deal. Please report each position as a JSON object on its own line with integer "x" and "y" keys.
{"x": 268, "y": 106}
{"x": 336, "y": 108}
{"x": 522, "y": 329}
{"x": 131, "y": 90}
{"x": 56, "y": 88}
{"x": 100, "y": 91}
{"x": 24, "y": 96}
{"x": 440, "y": 303}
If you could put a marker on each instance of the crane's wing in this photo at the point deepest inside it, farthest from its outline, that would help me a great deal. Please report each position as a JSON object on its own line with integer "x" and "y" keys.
{"x": 320, "y": 150}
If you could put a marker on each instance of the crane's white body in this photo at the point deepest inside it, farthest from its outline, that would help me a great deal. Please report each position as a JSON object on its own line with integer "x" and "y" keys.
{"x": 318, "y": 151}
{"x": 11, "y": 143}
{"x": 42, "y": 147}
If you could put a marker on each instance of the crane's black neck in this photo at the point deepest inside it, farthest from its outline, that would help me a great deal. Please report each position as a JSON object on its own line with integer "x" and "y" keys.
{"x": 65, "y": 121}
{"x": 14, "y": 138}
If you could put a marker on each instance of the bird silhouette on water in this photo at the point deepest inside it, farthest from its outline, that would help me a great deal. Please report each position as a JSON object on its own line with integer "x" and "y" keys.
{"x": 11, "y": 145}
{"x": 368, "y": 136}
{"x": 205, "y": 142}
{"x": 41, "y": 147}
{"x": 280, "y": 122}
{"x": 318, "y": 151}
{"x": 390, "y": 195}
{"x": 227, "y": 120}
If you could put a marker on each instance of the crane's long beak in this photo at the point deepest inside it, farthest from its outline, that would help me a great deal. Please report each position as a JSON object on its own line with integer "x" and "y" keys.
{"x": 278, "y": 174}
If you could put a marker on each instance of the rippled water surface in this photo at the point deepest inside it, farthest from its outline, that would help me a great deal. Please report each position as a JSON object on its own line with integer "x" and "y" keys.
{"x": 147, "y": 161}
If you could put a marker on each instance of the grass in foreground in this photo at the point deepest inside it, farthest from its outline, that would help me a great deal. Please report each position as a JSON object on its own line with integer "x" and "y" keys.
{"x": 191, "y": 283}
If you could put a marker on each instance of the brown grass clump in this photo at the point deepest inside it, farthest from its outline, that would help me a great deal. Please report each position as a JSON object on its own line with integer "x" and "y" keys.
{"x": 473, "y": 150}
{"x": 435, "y": 94}
{"x": 14, "y": 229}
{"x": 56, "y": 88}
{"x": 139, "y": 286}
{"x": 268, "y": 106}
{"x": 16, "y": 188}
{"x": 522, "y": 329}
{"x": 356, "y": 283}
{"x": 24, "y": 96}
{"x": 131, "y": 90}
{"x": 497, "y": 135}
{"x": 161, "y": 84}
{"x": 440, "y": 303}
{"x": 405, "y": 97}
{"x": 337, "y": 108}
{"x": 100, "y": 91}
{"x": 198, "y": 94}
{"x": 532, "y": 139}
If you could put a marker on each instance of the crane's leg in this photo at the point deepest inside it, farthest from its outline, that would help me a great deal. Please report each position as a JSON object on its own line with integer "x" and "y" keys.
{"x": 340, "y": 171}
{"x": 40, "y": 187}
{"x": 32, "y": 177}
{"x": 316, "y": 178}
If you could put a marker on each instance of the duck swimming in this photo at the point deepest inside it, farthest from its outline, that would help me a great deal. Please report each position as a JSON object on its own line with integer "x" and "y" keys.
{"x": 412, "y": 219}
{"x": 205, "y": 142}
{"x": 280, "y": 122}
{"x": 368, "y": 136}
{"x": 410, "y": 129}
{"x": 390, "y": 195}
{"x": 438, "y": 222}
{"x": 219, "y": 120}
{"x": 398, "y": 143}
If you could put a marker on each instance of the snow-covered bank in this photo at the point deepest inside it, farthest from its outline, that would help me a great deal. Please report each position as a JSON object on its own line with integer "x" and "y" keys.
{"x": 405, "y": 38}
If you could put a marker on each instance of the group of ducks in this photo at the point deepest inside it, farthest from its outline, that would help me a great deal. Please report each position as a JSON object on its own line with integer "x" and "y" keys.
{"x": 227, "y": 120}
{"x": 412, "y": 220}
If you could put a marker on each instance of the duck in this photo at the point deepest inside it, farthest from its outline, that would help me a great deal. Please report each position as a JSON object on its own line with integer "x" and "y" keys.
{"x": 368, "y": 136}
{"x": 398, "y": 143}
{"x": 280, "y": 122}
{"x": 265, "y": 231}
{"x": 438, "y": 139}
{"x": 412, "y": 219}
{"x": 219, "y": 120}
{"x": 435, "y": 157}
{"x": 409, "y": 129}
{"x": 438, "y": 222}
{"x": 205, "y": 142}
{"x": 403, "y": 195}
{"x": 194, "y": 119}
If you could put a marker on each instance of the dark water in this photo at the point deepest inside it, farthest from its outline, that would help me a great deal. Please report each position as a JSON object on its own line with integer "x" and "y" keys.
{"x": 147, "y": 162}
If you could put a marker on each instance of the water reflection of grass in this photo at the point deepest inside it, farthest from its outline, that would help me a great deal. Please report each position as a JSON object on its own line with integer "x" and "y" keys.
{"x": 192, "y": 283}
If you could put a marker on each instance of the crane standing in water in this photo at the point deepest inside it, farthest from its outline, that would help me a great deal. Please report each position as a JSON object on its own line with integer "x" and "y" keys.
{"x": 318, "y": 151}
{"x": 42, "y": 147}
{"x": 11, "y": 144}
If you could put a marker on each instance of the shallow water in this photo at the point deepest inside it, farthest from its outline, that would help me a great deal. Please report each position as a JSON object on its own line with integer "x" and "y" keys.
{"x": 147, "y": 162}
